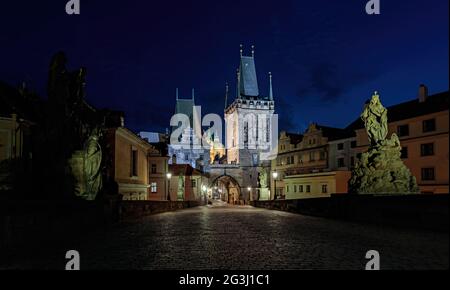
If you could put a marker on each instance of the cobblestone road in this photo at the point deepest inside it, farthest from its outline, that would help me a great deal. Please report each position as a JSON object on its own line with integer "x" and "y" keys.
{"x": 247, "y": 238}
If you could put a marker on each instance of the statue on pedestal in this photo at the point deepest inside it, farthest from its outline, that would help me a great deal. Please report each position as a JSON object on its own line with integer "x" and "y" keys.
{"x": 380, "y": 170}
{"x": 263, "y": 178}
{"x": 92, "y": 165}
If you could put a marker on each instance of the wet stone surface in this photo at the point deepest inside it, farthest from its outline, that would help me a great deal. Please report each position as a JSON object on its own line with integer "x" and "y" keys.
{"x": 226, "y": 237}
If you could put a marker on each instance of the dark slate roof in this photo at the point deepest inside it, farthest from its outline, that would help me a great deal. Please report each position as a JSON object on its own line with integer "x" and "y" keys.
{"x": 335, "y": 133}
{"x": 433, "y": 104}
{"x": 248, "y": 79}
{"x": 161, "y": 147}
{"x": 185, "y": 106}
{"x": 295, "y": 138}
{"x": 183, "y": 170}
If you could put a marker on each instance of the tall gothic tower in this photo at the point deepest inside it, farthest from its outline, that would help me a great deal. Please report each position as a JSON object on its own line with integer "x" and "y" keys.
{"x": 248, "y": 117}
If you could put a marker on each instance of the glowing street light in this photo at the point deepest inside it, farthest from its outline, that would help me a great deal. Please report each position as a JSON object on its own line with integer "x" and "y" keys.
{"x": 275, "y": 176}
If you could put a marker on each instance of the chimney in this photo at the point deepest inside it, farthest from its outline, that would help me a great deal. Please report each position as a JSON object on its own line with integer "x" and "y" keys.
{"x": 423, "y": 93}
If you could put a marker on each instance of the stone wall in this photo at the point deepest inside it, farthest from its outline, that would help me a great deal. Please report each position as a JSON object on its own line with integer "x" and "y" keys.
{"x": 413, "y": 211}
{"x": 22, "y": 222}
{"x": 135, "y": 209}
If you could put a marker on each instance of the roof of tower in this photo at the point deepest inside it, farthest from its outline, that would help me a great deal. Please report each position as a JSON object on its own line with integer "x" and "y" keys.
{"x": 184, "y": 106}
{"x": 248, "y": 81}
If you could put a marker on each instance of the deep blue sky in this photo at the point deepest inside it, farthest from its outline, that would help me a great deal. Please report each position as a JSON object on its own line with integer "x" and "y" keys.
{"x": 327, "y": 57}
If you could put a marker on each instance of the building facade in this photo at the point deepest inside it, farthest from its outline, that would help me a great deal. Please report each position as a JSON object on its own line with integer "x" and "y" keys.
{"x": 138, "y": 167}
{"x": 158, "y": 168}
{"x": 187, "y": 183}
{"x": 306, "y": 166}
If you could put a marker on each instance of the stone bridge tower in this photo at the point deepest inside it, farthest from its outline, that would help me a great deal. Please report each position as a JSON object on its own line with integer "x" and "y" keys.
{"x": 248, "y": 132}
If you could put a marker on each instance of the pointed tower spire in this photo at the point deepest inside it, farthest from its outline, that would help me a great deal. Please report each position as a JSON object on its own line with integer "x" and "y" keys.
{"x": 193, "y": 94}
{"x": 270, "y": 87}
{"x": 176, "y": 93}
{"x": 238, "y": 86}
{"x": 226, "y": 95}
{"x": 253, "y": 51}
{"x": 241, "y": 49}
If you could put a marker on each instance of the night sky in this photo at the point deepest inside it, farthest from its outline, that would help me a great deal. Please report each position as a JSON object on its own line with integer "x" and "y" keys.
{"x": 326, "y": 57}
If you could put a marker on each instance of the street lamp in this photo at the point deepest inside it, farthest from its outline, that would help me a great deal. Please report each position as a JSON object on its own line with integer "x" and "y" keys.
{"x": 204, "y": 193}
{"x": 169, "y": 176}
{"x": 275, "y": 176}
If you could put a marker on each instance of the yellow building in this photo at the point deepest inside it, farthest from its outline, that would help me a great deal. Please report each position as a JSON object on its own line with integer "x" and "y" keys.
{"x": 320, "y": 184}
{"x": 138, "y": 167}
{"x": 158, "y": 167}
{"x": 422, "y": 125}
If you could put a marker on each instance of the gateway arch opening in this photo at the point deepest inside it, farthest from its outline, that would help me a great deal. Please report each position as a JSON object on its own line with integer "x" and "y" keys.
{"x": 227, "y": 189}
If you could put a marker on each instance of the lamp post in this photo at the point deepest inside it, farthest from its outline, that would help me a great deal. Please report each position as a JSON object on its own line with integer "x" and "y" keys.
{"x": 249, "y": 189}
{"x": 204, "y": 194}
{"x": 169, "y": 176}
{"x": 275, "y": 176}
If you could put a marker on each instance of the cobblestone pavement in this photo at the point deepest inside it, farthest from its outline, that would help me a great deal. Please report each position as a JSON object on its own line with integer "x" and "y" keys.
{"x": 232, "y": 238}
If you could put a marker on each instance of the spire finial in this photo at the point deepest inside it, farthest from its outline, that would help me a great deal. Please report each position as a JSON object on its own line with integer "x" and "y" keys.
{"x": 241, "y": 50}
{"x": 176, "y": 93}
{"x": 253, "y": 50}
{"x": 270, "y": 87}
{"x": 193, "y": 94}
{"x": 226, "y": 95}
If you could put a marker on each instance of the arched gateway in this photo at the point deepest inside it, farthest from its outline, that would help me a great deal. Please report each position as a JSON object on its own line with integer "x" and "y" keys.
{"x": 227, "y": 189}
{"x": 233, "y": 183}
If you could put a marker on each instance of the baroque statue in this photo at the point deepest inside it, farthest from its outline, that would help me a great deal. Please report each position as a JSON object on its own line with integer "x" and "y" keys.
{"x": 374, "y": 117}
{"x": 263, "y": 178}
{"x": 380, "y": 170}
{"x": 92, "y": 165}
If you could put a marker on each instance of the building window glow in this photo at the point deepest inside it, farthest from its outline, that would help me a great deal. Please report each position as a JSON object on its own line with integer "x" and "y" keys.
{"x": 154, "y": 187}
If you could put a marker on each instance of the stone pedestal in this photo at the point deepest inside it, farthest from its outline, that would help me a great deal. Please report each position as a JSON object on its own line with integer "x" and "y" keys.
{"x": 264, "y": 194}
{"x": 76, "y": 166}
{"x": 380, "y": 170}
